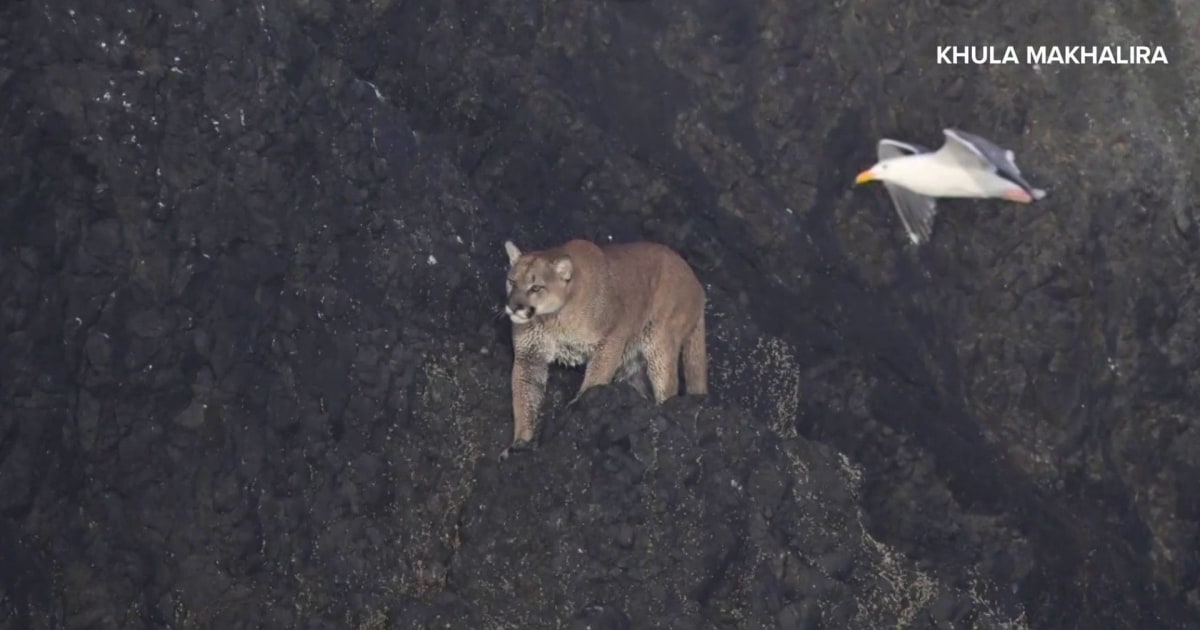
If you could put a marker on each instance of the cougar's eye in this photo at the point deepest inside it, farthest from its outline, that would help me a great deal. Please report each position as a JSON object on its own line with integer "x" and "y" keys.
{"x": 537, "y": 288}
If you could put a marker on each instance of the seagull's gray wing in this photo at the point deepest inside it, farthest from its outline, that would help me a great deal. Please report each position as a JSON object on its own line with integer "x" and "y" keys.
{"x": 889, "y": 149}
{"x": 969, "y": 148}
{"x": 962, "y": 151}
{"x": 916, "y": 211}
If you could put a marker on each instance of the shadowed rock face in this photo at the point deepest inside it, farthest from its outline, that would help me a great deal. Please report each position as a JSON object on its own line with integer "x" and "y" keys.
{"x": 252, "y": 372}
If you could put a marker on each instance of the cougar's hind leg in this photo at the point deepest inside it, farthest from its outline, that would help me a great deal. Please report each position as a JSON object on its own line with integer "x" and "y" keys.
{"x": 662, "y": 366}
{"x": 633, "y": 372}
{"x": 695, "y": 360}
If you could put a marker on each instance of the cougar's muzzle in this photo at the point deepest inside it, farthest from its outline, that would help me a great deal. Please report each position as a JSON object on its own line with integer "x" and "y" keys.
{"x": 518, "y": 311}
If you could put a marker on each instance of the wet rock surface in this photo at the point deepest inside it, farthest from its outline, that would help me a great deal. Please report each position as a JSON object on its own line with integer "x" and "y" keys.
{"x": 252, "y": 372}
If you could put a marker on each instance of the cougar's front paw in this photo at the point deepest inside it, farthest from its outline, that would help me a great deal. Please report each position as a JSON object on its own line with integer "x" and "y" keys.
{"x": 518, "y": 446}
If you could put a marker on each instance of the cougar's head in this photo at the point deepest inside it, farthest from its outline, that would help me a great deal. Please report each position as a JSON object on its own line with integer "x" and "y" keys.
{"x": 537, "y": 284}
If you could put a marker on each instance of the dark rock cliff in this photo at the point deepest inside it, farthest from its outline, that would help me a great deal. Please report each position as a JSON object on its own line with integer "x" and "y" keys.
{"x": 252, "y": 372}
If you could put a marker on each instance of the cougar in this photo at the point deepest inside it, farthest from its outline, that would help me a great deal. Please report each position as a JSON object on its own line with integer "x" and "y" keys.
{"x": 626, "y": 310}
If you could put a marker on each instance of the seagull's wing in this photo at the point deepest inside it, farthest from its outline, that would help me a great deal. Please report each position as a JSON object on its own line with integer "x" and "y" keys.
{"x": 961, "y": 150}
{"x": 967, "y": 149}
{"x": 889, "y": 149}
{"x": 916, "y": 212}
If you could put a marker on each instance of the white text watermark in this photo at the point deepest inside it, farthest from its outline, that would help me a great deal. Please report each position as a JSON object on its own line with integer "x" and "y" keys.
{"x": 1085, "y": 55}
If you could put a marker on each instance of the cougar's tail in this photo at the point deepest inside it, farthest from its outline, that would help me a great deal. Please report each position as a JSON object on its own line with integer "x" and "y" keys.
{"x": 695, "y": 360}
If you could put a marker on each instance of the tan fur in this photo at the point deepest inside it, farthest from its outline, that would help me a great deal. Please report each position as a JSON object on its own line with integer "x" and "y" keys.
{"x": 610, "y": 307}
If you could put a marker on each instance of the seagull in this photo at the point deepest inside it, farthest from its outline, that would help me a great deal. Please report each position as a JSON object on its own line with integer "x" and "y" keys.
{"x": 966, "y": 166}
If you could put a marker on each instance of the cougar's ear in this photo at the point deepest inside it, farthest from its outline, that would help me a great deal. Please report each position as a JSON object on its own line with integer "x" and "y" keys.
{"x": 563, "y": 267}
{"x": 513, "y": 252}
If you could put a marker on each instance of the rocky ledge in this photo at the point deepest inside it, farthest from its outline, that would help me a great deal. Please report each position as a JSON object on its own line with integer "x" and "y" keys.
{"x": 253, "y": 374}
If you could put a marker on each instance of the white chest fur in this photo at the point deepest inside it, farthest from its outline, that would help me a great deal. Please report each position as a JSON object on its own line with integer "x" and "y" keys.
{"x": 554, "y": 345}
{"x": 572, "y": 352}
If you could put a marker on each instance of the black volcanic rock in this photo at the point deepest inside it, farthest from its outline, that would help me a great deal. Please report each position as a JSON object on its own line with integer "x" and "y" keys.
{"x": 253, "y": 372}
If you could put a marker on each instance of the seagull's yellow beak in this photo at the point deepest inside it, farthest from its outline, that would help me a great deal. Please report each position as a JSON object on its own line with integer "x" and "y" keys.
{"x": 864, "y": 177}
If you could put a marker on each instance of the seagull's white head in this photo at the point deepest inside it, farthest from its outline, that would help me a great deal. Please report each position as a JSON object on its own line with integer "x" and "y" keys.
{"x": 881, "y": 172}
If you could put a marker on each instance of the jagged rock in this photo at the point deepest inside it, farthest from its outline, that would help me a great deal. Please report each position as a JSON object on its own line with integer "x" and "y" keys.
{"x": 253, "y": 372}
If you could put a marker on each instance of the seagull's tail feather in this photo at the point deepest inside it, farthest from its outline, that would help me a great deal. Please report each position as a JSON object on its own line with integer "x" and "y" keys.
{"x": 1038, "y": 193}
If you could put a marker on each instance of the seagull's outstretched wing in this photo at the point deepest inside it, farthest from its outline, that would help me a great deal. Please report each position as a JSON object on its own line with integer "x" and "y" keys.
{"x": 960, "y": 150}
{"x": 971, "y": 150}
{"x": 916, "y": 211}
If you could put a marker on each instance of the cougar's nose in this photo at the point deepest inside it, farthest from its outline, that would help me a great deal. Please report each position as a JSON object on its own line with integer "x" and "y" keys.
{"x": 515, "y": 307}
